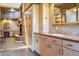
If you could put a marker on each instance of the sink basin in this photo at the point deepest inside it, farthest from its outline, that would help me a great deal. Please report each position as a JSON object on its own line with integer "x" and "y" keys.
{"x": 57, "y": 35}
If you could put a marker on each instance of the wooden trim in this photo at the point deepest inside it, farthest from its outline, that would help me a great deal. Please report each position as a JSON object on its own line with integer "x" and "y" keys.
{"x": 77, "y": 12}
{"x": 28, "y": 7}
{"x": 21, "y": 5}
{"x": 36, "y": 53}
{"x": 21, "y": 11}
{"x": 66, "y": 24}
{"x": 62, "y": 38}
{"x": 24, "y": 43}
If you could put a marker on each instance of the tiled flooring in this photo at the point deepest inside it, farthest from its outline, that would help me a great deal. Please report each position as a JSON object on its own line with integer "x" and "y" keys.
{"x": 18, "y": 52}
{"x": 11, "y": 44}
{"x": 13, "y": 48}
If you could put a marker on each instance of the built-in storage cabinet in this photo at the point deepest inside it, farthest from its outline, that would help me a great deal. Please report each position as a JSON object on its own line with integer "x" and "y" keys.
{"x": 36, "y": 39}
{"x": 43, "y": 47}
{"x": 47, "y": 46}
{"x": 54, "y": 50}
{"x": 50, "y": 46}
{"x": 65, "y": 14}
{"x": 69, "y": 52}
{"x": 70, "y": 48}
{"x": 71, "y": 45}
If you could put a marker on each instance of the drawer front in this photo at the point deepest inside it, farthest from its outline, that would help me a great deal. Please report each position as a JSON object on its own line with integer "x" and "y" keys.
{"x": 53, "y": 40}
{"x": 71, "y": 45}
{"x": 69, "y": 52}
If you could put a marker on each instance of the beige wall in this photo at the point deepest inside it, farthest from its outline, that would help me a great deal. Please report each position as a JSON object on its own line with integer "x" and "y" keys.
{"x": 68, "y": 30}
{"x": 45, "y": 17}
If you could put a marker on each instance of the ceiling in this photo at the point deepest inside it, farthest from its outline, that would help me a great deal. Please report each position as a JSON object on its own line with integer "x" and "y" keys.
{"x": 10, "y": 5}
{"x": 10, "y": 10}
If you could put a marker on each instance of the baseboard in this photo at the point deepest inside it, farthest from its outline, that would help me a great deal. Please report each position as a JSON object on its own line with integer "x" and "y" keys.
{"x": 37, "y": 54}
{"x": 24, "y": 43}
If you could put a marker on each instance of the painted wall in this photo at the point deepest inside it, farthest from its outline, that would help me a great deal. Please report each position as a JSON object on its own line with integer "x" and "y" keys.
{"x": 34, "y": 24}
{"x": 45, "y": 18}
{"x": 68, "y": 30}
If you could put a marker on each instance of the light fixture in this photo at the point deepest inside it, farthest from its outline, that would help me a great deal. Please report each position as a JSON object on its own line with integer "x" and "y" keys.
{"x": 12, "y": 10}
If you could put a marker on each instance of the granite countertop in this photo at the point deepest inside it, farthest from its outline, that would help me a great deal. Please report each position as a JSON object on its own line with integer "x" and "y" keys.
{"x": 61, "y": 36}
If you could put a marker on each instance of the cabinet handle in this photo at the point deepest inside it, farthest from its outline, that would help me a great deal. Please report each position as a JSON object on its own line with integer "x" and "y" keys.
{"x": 69, "y": 45}
{"x": 45, "y": 38}
{"x": 36, "y": 40}
{"x": 54, "y": 41}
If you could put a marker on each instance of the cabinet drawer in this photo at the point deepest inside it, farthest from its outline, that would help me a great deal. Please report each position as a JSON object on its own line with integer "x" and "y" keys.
{"x": 53, "y": 40}
{"x": 71, "y": 45}
{"x": 69, "y": 52}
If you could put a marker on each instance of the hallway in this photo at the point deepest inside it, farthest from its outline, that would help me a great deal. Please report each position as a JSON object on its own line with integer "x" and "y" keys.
{"x": 11, "y": 44}
{"x": 18, "y": 52}
{"x": 13, "y": 48}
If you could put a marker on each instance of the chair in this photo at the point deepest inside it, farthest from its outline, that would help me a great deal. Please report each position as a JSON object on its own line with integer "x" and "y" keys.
{"x": 2, "y": 40}
{"x": 18, "y": 38}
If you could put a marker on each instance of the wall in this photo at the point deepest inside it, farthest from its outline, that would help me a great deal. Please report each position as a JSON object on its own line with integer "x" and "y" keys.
{"x": 45, "y": 18}
{"x": 68, "y": 30}
{"x": 34, "y": 24}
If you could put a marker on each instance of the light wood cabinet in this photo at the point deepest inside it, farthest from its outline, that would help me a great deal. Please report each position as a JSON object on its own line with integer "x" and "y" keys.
{"x": 70, "y": 48}
{"x": 69, "y": 52}
{"x": 50, "y": 46}
{"x": 36, "y": 38}
{"x": 55, "y": 50}
{"x": 46, "y": 47}
{"x": 43, "y": 46}
{"x": 71, "y": 45}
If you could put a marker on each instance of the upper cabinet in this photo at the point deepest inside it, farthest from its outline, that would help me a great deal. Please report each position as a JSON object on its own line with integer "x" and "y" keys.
{"x": 65, "y": 14}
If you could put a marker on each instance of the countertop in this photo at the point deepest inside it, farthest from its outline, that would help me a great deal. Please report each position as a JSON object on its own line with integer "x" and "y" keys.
{"x": 61, "y": 36}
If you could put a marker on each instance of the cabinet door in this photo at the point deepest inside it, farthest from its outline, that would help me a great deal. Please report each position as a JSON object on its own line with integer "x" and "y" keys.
{"x": 69, "y": 52}
{"x": 55, "y": 50}
{"x": 72, "y": 45}
{"x": 43, "y": 48}
{"x": 37, "y": 43}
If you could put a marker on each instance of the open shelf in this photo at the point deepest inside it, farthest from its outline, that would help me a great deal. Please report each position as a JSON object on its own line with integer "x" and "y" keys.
{"x": 66, "y": 24}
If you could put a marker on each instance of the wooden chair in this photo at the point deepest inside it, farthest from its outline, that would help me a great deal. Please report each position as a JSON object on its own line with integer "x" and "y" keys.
{"x": 2, "y": 40}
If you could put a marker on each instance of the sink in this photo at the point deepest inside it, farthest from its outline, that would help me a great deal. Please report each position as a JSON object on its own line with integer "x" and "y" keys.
{"x": 57, "y": 35}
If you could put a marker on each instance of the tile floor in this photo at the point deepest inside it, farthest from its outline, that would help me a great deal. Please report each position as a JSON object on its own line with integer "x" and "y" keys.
{"x": 18, "y": 52}
{"x": 13, "y": 48}
{"x": 11, "y": 44}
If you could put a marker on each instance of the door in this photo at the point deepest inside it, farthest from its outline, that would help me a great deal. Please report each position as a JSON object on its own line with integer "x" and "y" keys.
{"x": 43, "y": 47}
{"x": 69, "y": 52}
